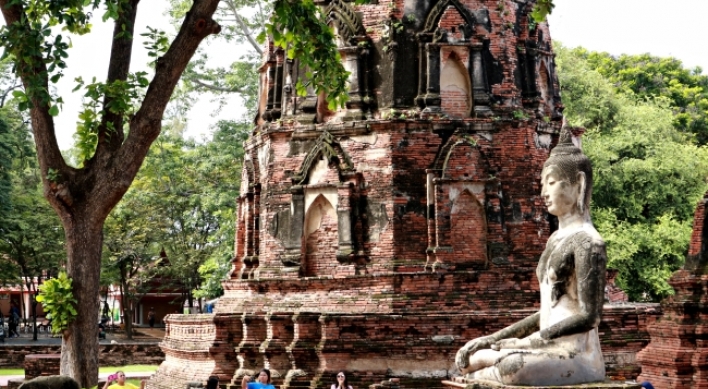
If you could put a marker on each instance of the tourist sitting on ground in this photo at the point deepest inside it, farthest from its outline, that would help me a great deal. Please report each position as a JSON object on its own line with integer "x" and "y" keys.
{"x": 117, "y": 381}
{"x": 262, "y": 381}
{"x": 102, "y": 328}
{"x": 341, "y": 382}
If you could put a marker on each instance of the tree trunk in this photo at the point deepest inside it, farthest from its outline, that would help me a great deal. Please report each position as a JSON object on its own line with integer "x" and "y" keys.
{"x": 128, "y": 317}
{"x": 34, "y": 316}
{"x": 79, "y": 347}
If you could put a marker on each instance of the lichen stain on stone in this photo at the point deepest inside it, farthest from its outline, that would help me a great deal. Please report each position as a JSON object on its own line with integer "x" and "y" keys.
{"x": 511, "y": 364}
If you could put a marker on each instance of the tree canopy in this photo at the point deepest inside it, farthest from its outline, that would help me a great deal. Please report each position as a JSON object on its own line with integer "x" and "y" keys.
{"x": 121, "y": 119}
{"x": 685, "y": 91}
{"x": 649, "y": 172}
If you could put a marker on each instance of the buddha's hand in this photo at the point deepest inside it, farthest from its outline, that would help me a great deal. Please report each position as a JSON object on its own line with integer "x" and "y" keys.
{"x": 510, "y": 343}
{"x": 462, "y": 359}
{"x": 532, "y": 341}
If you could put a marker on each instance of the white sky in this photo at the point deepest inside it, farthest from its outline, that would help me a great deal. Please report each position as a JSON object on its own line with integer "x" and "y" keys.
{"x": 658, "y": 27}
{"x": 663, "y": 28}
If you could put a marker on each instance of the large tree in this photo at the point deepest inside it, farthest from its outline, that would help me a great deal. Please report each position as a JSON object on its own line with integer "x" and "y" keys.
{"x": 649, "y": 173}
{"x": 83, "y": 197}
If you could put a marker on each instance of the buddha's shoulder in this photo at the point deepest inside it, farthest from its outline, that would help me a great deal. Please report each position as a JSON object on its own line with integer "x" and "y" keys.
{"x": 586, "y": 236}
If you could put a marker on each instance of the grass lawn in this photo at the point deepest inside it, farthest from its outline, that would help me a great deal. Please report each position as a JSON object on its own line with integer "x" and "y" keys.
{"x": 128, "y": 369}
{"x": 107, "y": 369}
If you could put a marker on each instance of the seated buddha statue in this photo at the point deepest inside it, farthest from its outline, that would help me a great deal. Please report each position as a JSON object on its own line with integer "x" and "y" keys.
{"x": 558, "y": 345}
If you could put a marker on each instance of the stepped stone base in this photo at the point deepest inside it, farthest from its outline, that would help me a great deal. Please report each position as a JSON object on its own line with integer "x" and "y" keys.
{"x": 463, "y": 383}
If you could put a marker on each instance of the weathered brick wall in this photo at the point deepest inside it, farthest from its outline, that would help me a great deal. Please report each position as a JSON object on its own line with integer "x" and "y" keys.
{"x": 121, "y": 354}
{"x": 37, "y": 365}
{"x": 677, "y": 357}
{"x": 698, "y": 244}
{"x": 307, "y": 349}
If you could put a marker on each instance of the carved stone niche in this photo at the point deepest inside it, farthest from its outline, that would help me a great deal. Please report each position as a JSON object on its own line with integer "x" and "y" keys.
{"x": 457, "y": 223}
{"x": 354, "y": 49}
{"x": 274, "y": 69}
{"x": 451, "y": 63}
{"x": 247, "y": 242}
{"x": 353, "y": 45}
{"x": 324, "y": 208}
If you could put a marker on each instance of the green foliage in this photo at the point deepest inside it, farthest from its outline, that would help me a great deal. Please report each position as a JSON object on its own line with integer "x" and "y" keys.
{"x": 39, "y": 49}
{"x": 520, "y": 115}
{"x": 35, "y": 38}
{"x": 58, "y": 300}
{"x": 6, "y": 155}
{"x": 124, "y": 99}
{"x": 650, "y": 77}
{"x": 542, "y": 9}
{"x": 647, "y": 254}
{"x": 241, "y": 22}
{"x": 157, "y": 43}
{"x": 648, "y": 174}
{"x": 183, "y": 201}
{"x": 31, "y": 237}
{"x": 300, "y": 29}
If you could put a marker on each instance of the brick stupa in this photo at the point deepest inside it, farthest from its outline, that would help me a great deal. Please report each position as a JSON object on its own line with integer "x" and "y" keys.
{"x": 677, "y": 357}
{"x": 379, "y": 238}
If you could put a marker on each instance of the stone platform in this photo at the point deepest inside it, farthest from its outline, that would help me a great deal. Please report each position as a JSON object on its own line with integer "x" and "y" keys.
{"x": 463, "y": 383}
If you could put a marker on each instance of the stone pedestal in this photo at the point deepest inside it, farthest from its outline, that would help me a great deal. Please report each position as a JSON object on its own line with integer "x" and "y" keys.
{"x": 463, "y": 383}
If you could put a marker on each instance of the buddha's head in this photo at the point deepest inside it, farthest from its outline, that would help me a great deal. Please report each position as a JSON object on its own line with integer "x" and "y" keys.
{"x": 567, "y": 178}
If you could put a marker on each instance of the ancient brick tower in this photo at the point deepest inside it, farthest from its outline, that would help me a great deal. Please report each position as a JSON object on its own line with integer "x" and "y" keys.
{"x": 378, "y": 238}
{"x": 677, "y": 357}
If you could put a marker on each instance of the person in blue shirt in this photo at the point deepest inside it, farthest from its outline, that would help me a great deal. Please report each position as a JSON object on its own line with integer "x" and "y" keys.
{"x": 262, "y": 381}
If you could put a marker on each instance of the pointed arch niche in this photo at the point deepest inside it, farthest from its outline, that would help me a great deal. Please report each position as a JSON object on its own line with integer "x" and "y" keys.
{"x": 544, "y": 89}
{"x": 459, "y": 87}
{"x": 455, "y": 88}
{"x": 352, "y": 43}
{"x": 321, "y": 238}
{"x": 245, "y": 260}
{"x": 325, "y": 194}
{"x": 457, "y": 222}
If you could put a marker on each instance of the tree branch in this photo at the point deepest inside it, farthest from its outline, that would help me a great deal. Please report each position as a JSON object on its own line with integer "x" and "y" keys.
{"x": 244, "y": 28}
{"x": 14, "y": 86}
{"x": 201, "y": 83}
{"x": 48, "y": 151}
{"x": 118, "y": 68}
{"x": 147, "y": 122}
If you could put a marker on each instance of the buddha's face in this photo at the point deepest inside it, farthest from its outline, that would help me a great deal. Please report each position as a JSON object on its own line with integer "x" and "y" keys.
{"x": 560, "y": 196}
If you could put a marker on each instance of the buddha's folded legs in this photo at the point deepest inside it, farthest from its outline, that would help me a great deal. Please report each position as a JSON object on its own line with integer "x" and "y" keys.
{"x": 538, "y": 367}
